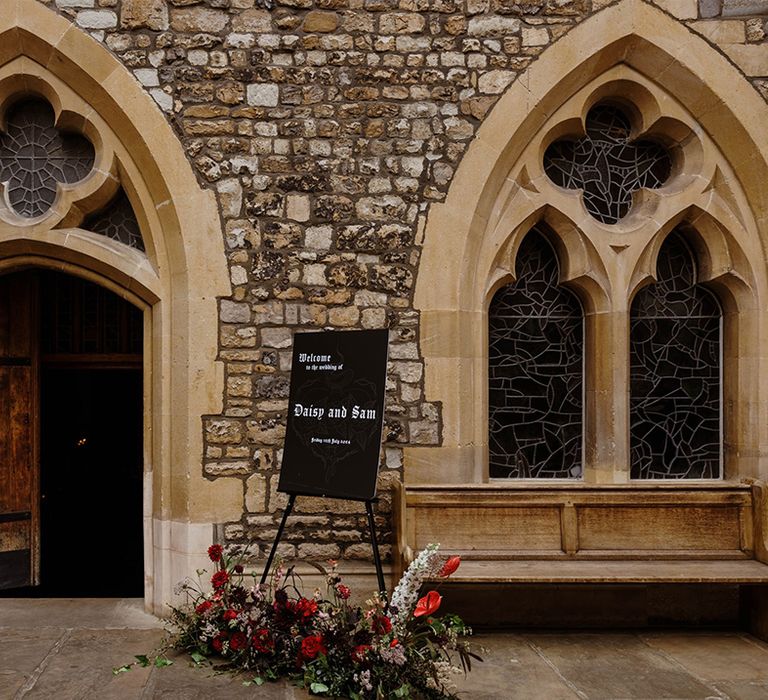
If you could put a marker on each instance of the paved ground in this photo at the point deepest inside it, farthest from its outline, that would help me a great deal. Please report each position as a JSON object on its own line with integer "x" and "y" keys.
{"x": 66, "y": 649}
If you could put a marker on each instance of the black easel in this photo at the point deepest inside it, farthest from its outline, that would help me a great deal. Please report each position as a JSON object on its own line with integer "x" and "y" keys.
{"x": 371, "y": 527}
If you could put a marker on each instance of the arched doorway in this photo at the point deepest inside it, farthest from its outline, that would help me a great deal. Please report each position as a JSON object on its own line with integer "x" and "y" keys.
{"x": 78, "y": 408}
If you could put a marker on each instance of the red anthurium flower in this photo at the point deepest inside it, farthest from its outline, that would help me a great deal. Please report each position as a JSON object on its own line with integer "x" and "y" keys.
{"x": 449, "y": 567}
{"x": 428, "y": 604}
{"x": 215, "y": 551}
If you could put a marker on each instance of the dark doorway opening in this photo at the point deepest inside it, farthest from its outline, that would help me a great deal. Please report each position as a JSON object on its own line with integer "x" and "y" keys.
{"x": 91, "y": 489}
{"x": 91, "y": 432}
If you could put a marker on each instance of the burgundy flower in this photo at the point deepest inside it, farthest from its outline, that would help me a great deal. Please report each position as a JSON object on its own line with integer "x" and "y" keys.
{"x": 342, "y": 591}
{"x": 203, "y": 607}
{"x": 219, "y": 579}
{"x": 312, "y": 646}
{"x": 428, "y": 604}
{"x": 215, "y": 551}
{"x": 359, "y": 652}
{"x": 218, "y": 641}
{"x": 239, "y": 568}
{"x": 229, "y": 615}
{"x": 238, "y": 641}
{"x": 381, "y": 624}
{"x": 305, "y": 608}
{"x": 262, "y": 641}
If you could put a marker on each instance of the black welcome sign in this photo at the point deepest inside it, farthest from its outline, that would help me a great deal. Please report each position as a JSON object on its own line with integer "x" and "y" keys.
{"x": 335, "y": 414}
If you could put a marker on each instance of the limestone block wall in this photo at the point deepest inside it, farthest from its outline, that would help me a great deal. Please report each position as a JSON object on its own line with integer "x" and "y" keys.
{"x": 326, "y": 129}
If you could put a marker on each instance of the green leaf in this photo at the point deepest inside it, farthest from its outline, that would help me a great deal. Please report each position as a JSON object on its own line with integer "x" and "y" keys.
{"x": 161, "y": 661}
{"x": 121, "y": 669}
{"x": 258, "y": 680}
{"x": 318, "y": 688}
{"x": 197, "y": 657}
{"x": 142, "y": 660}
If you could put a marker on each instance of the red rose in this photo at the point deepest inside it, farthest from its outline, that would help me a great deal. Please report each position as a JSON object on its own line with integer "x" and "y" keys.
{"x": 229, "y": 615}
{"x": 359, "y": 652}
{"x": 203, "y": 607}
{"x": 219, "y": 579}
{"x": 305, "y": 608}
{"x": 342, "y": 591}
{"x": 428, "y": 604}
{"x": 238, "y": 641}
{"x": 262, "y": 642}
{"x": 312, "y": 646}
{"x": 218, "y": 641}
{"x": 381, "y": 624}
{"x": 449, "y": 567}
{"x": 215, "y": 552}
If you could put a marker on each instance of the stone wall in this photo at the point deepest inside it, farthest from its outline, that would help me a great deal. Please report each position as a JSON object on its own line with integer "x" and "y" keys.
{"x": 326, "y": 128}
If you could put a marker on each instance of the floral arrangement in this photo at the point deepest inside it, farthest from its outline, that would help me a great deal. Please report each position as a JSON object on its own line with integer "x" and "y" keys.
{"x": 327, "y": 645}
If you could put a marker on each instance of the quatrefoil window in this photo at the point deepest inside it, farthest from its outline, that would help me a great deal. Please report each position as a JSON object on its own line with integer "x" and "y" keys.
{"x": 35, "y": 157}
{"x": 606, "y": 164}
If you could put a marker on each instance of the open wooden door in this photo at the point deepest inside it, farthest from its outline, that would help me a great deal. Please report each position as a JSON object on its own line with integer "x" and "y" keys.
{"x": 19, "y": 490}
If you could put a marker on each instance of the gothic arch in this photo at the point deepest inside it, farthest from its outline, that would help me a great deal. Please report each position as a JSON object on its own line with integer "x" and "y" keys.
{"x": 686, "y": 94}
{"x": 176, "y": 282}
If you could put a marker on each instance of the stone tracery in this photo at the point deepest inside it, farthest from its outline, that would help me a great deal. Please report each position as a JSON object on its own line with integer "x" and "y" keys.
{"x": 35, "y": 157}
{"x": 607, "y": 164}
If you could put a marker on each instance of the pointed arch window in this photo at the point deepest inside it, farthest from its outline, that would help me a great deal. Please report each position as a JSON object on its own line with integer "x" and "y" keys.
{"x": 675, "y": 372}
{"x": 535, "y": 357}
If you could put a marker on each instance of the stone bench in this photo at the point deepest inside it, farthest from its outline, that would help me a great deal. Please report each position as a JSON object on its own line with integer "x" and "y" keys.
{"x": 594, "y": 535}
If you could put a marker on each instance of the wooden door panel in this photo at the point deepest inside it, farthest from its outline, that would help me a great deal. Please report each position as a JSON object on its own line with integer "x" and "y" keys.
{"x": 18, "y": 432}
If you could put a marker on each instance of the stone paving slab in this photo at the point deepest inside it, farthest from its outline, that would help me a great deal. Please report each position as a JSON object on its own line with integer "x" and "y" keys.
{"x": 58, "y": 650}
{"x": 611, "y": 666}
{"x": 511, "y": 668}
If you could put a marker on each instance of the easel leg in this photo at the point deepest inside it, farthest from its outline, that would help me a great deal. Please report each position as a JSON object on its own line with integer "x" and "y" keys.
{"x": 286, "y": 513}
{"x": 375, "y": 544}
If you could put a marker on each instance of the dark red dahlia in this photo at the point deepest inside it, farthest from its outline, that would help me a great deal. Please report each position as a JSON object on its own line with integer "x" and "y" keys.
{"x": 215, "y": 551}
{"x": 218, "y": 641}
{"x": 229, "y": 615}
{"x": 203, "y": 607}
{"x": 263, "y": 642}
{"x": 219, "y": 579}
{"x": 381, "y": 624}
{"x": 238, "y": 641}
{"x": 305, "y": 608}
{"x": 312, "y": 646}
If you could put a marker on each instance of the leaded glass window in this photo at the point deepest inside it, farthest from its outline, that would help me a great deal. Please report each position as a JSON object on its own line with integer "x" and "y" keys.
{"x": 35, "y": 157}
{"x": 606, "y": 164}
{"x": 675, "y": 405}
{"x": 118, "y": 222}
{"x": 535, "y": 360}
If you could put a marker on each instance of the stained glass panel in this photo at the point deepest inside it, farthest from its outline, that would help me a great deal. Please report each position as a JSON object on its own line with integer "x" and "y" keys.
{"x": 675, "y": 409}
{"x": 35, "y": 156}
{"x": 117, "y": 221}
{"x": 606, "y": 164}
{"x": 535, "y": 359}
